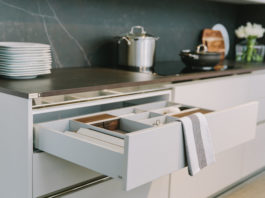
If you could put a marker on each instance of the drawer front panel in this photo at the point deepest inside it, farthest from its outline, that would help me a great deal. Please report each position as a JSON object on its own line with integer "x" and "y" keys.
{"x": 152, "y": 153}
{"x": 233, "y": 126}
{"x": 214, "y": 94}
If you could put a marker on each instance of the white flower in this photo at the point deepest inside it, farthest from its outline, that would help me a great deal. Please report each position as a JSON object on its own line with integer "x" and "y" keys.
{"x": 253, "y": 30}
{"x": 240, "y": 32}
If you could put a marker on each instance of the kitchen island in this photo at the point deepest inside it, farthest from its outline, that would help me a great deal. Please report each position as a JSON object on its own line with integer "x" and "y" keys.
{"x": 48, "y": 103}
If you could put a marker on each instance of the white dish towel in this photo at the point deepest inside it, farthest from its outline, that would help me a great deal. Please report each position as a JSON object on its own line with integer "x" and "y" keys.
{"x": 198, "y": 142}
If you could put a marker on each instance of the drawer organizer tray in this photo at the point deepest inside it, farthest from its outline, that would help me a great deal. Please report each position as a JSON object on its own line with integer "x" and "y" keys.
{"x": 140, "y": 143}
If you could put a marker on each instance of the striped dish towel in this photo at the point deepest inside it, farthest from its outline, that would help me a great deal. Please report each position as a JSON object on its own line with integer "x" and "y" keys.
{"x": 198, "y": 142}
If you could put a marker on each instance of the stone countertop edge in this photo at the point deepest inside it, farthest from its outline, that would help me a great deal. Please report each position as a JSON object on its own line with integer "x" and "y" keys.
{"x": 94, "y": 79}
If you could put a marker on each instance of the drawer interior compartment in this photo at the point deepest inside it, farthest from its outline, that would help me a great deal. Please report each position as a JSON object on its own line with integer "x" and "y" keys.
{"x": 117, "y": 107}
{"x": 159, "y": 121}
{"x": 143, "y": 116}
{"x": 96, "y": 118}
{"x": 126, "y": 111}
{"x": 151, "y": 144}
{"x": 116, "y": 127}
{"x": 169, "y": 110}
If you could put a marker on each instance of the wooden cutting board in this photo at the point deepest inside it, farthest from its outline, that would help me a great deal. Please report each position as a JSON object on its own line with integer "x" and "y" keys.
{"x": 214, "y": 40}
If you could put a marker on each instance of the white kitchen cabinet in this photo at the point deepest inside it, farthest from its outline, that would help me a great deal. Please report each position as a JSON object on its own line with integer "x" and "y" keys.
{"x": 16, "y": 147}
{"x": 141, "y": 169}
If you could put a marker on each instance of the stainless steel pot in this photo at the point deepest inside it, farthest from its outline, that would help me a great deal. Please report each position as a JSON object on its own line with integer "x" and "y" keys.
{"x": 137, "y": 49}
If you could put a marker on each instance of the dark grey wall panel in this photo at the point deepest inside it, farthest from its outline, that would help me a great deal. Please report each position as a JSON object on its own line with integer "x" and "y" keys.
{"x": 82, "y": 31}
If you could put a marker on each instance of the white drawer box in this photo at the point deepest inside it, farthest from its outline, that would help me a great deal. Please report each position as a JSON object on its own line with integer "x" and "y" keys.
{"x": 149, "y": 152}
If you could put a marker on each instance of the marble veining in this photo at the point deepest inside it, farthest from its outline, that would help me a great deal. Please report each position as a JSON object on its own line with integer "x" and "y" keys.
{"x": 56, "y": 58}
{"x": 55, "y": 17}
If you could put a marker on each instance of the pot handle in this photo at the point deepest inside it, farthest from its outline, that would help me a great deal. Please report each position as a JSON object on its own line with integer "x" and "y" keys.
{"x": 202, "y": 48}
{"x": 124, "y": 38}
{"x": 137, "y": 27}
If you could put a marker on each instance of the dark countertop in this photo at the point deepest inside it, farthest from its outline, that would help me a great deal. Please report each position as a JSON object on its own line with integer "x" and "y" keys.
{"x": 73, "y": 80}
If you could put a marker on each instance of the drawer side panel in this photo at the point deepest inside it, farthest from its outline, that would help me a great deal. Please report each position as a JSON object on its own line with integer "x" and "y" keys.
{"x": 80, "y": 152}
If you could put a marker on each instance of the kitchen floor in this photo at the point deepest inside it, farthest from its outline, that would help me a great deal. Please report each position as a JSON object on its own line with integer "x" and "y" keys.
{"x": 252, "y": 188}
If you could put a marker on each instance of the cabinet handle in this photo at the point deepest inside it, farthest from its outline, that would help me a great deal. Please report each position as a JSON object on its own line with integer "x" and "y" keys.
{"x": 77, "y": 187}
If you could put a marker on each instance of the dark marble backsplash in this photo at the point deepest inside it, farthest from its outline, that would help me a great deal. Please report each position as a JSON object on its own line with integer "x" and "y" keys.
{"x": 81, "y": 32}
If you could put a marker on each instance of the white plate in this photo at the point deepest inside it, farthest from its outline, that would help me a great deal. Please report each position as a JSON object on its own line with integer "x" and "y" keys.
{"x": 25, "y": 73}
{"x": 32, "y": 64}
{"x": 35, "y": 59}
{"x": 24, "y": 68}
{"x": 11, "y": 62}
{"x": 23, "y": 45}
{"x": 21, "y": 77}
{"x": 225, "y": 34}
{"x": 20, "y": 68}
{"x": 24, "y": 52}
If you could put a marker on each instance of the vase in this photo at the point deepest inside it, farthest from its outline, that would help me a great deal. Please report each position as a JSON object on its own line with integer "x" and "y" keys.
{"x": 250, "y": 50}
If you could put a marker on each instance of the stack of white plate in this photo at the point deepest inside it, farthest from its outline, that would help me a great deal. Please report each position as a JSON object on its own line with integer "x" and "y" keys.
{"x": 19, "y": 60}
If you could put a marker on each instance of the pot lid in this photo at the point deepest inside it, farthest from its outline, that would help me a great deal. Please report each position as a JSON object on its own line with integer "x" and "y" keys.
{"x": 138, "y": 32}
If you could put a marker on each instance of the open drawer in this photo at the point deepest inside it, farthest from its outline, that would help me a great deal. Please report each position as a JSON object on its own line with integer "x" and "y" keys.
{"x": 126, "y": 143}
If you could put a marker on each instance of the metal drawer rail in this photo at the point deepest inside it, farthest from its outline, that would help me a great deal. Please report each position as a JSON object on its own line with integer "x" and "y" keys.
{"x": 77, "y": 187}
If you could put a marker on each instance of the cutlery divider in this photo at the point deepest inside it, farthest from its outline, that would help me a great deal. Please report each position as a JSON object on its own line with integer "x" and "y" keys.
{"x": 119, "y": 122}
{"x": 124, "y": 126}
{"x": 160, "y": 120}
